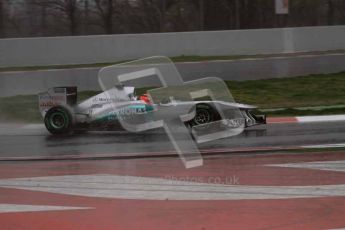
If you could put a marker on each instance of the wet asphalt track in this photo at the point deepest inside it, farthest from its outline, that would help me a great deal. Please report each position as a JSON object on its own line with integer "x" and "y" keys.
{"x": 35, "y": 141}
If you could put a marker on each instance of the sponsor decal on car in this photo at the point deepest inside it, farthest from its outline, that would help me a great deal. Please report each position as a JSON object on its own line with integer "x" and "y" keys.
{"x": 49, "y": 104}
{"x": 52, "y": 97}
{"x": 47, "y": 101}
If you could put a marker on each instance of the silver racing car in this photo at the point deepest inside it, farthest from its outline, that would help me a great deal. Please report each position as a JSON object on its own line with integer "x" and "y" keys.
{"x": 62, "y": 114}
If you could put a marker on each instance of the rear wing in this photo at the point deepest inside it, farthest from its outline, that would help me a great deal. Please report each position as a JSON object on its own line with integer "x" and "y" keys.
{"x": 57, "y": 96}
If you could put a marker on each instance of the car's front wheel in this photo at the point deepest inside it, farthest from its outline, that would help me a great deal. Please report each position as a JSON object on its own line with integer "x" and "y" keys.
{"x": 204, "y": 114}
{"x": 59, "y": 120}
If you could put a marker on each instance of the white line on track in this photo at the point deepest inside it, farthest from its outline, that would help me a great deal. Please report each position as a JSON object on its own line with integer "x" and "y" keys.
{"x": 321, "y": 118}
{"x": 251, "y": 150}
{"x": 146, "y": 188}
{"x": 324, "y": 146}
{"x": 338, "y": 166}
{"x": 8, "y": 208}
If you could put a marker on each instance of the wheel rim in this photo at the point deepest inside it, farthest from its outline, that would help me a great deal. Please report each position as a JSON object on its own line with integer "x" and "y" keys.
{"x": 57, "y": 120}
{"x": 202, "y": 116}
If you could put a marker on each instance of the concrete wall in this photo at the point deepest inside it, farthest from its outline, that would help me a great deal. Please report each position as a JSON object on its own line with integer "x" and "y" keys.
{"x": 111, "y": 48}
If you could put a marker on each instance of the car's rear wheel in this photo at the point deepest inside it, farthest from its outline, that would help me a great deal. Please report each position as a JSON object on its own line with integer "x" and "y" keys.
{"x": 59, "y": 120}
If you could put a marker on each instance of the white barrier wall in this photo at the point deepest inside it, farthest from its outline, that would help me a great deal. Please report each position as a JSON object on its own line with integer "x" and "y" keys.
{"x": 111, "y": 48}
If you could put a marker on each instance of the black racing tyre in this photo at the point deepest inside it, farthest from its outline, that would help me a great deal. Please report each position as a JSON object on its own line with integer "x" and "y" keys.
{"x": 59, "y": 120}
{"x": 204, "y": 114}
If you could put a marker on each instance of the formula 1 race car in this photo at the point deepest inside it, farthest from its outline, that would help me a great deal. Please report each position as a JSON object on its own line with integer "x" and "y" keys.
{"x": 62, "y": 115}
